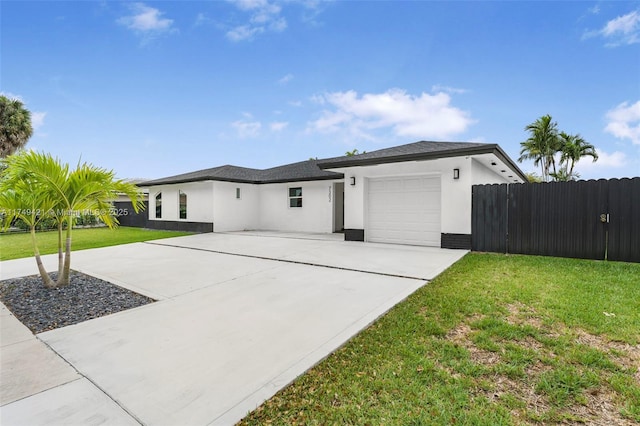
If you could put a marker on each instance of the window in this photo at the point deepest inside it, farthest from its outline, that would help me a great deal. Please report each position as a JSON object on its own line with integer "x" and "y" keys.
{"x": 159, "y": 205}
{"x": 295, "y": 197}
{"x": 237, "y": 193}
{"x": 183, "y": 204}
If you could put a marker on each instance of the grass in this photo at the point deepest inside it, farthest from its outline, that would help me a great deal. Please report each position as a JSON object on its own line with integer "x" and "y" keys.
{"x": 495, "y": 340}
{"x": 15, "y": 246}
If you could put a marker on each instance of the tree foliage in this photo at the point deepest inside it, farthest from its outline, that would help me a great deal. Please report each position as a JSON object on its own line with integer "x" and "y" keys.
{"x": 547, "y": 145}
{"x": 354, "y": 153}
{"x": 15, "y": 126}
{"x": 35, "y": 186}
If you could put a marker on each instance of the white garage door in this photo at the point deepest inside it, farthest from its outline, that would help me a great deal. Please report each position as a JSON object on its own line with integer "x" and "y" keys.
{"x": 404, "y": 210}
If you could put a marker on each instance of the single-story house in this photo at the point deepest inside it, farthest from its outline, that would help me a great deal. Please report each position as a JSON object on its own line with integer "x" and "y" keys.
{"x": 417, "y": 194}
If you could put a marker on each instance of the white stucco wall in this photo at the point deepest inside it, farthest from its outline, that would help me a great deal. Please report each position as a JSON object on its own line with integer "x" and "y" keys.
{"x": 455, "y": 193}
{"x": 232, "y": 214}
{"x": 266, "y": 206}
{"x": 355, "y": 196}
{"x": 315, "y": 215}
{"x": 199, "y": 201}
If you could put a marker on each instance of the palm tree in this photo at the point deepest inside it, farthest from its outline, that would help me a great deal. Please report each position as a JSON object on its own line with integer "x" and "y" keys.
{"x": 67, "y": 194}
{"x": 573, "y": 148}
{"x": 15, "y": 126}
{"x": 354, "y": 153}
{"x": 542, "y": 145}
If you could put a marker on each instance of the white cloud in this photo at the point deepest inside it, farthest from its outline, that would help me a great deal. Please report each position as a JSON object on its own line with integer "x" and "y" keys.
{"x": 287, "y": 78}
{"x": 296, "y": 104}
{"x": 247, "y": 129}
{"x": 623, "y": 30}
{"x": 614, "y": 160}
{"x": 477, "y": 139}
{"x": 448, "y": 89}
{"x": 278, "y": 25}
{"x": 37, "y": 119}
{"x": 243, "y": 32}
{"x": 423, "y": 116}
{"x": 264, "y": 16}
{"x": 278, "y": 126}
{"x": 624, "y": 122}
{"x": 146, "y": 21}
{"x": 201, "y": 19}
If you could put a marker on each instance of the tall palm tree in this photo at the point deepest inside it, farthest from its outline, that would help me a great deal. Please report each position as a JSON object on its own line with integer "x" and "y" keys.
{"x": 542, "y": 145}
{"x": 66, "y": 194}
{"x": 573, "y": 148}
{"x": 15, "y": 126}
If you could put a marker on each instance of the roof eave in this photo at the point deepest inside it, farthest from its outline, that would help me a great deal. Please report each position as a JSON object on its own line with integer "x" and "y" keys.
{"x": 498, "y": 152}
{"x": 488, "y": 148}
{"x": 199, "y": 179}
{"x": 338, "y": 176}
{"x": 484, "y": 149}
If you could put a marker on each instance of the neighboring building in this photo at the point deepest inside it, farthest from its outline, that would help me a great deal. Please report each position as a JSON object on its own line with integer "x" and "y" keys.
{"x": 417, "y": 194}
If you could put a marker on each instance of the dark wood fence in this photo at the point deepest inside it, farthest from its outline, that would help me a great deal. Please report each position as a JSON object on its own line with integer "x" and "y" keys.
{"x": 128, "y": 217}
{"x": 584, "y": 219}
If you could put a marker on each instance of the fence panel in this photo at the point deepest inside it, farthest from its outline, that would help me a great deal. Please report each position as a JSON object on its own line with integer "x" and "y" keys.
{"x": 559, "y": 219}
{"x": 128, "y": 217}
{"x": 624, "y": 220}
{"x": 489, "y": 218}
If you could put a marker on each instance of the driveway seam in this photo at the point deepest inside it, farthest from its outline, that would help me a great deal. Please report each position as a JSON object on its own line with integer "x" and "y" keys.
{"x": 133, "y": 416}
{"x": 80, "y": 377}
{"x": 298, "y": 262}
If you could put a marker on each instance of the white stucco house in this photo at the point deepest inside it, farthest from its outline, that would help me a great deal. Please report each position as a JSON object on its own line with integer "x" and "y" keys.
{"x": 417, "y": 194}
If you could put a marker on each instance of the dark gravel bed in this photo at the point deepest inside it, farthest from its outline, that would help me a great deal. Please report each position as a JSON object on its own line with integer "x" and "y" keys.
{"x": 86, "y": 297}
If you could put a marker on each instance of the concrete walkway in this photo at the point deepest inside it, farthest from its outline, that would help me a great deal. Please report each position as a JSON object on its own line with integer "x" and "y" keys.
{"x": 239, "y": 317}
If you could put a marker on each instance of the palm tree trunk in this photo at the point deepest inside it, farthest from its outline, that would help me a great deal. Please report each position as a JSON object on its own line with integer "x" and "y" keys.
{"x": 46, "y": 279}
{"x": 60, "y": 256}
{"x": 63, "y": 279}
{"x": 573, "y": 163}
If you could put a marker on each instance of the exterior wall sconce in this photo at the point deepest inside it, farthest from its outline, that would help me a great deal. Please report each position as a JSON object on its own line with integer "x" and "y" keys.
{"x": 353, "y": 180}
{"x": 456, "y": 173}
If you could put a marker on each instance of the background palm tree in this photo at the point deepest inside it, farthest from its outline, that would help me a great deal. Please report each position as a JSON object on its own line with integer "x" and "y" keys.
{"x": 15, "y": 126}
{"x": 573, "y": 148}
{"x": 542, "y": 145}
{"x": 65, "y": 194}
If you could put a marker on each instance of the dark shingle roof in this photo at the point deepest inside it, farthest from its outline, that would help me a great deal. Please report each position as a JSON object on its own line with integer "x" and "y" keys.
{"x": 423, "y": 150}
{"x": 413, "y": 151}
{"x": 316, "y": 169}
{"x": 302, "y": 171}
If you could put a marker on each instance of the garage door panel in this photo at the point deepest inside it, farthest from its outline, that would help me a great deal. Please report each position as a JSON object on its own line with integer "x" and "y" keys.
{"x": 404, "y": 210}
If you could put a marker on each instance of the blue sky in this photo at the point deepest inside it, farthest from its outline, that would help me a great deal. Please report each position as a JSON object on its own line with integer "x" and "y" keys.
{"x": 151, "y": 89}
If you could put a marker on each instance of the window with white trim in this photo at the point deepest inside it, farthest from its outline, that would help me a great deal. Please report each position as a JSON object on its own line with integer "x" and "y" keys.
{"x": 295, "y": 197}
{"x": 238, "y": 193}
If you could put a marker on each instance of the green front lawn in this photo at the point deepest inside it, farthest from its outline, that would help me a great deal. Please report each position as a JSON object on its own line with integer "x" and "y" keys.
{"x": 15, "y": 246}
{"x": 495, "y": 340}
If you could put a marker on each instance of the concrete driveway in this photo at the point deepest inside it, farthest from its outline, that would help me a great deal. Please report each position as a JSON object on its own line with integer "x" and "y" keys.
{"x": 239, "y": 316}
